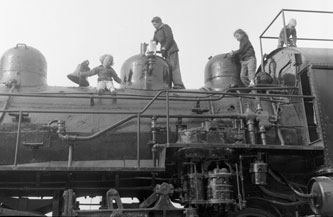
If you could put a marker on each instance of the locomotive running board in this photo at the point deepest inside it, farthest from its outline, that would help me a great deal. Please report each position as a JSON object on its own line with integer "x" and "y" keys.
{"x": 318, "y": 146}
{"x": 101, "y": 165}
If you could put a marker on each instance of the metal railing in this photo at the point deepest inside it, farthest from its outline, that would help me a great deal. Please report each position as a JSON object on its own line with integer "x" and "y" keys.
{"x": 132, "y": 114}
{"x": 160, "y": 95}
{"x": 282, "y": 12}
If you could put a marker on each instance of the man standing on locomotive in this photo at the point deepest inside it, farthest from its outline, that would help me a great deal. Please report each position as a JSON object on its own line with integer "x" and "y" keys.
{"x": 169, "y": 49}
{"x": 105, "y": 74}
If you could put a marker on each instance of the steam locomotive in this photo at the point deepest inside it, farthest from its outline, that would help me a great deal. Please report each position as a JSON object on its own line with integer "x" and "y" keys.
{"x": 222, "y": 150}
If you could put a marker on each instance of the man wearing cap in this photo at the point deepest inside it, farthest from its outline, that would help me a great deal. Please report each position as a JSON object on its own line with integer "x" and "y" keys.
{"x": 169, "y": 49}
{"x": 290, "y": 31}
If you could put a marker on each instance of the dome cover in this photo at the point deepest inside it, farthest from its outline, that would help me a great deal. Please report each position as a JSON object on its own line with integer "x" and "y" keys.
{"x": 222, "y": 72}
{"x": 147, "y": 73}
{"x": 24, "y": 64}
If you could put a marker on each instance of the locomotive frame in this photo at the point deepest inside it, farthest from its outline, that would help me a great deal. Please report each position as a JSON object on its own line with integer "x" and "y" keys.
{"x": 235, "y": 152}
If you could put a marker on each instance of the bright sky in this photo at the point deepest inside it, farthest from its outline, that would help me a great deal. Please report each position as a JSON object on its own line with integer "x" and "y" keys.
{"x": 70, "y": 31}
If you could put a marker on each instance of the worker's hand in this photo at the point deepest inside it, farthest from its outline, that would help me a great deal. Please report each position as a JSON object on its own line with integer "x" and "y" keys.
{"x": 229, "y": 54}
{"x": 291, "y": 44}
{"x": 164, "y": 52}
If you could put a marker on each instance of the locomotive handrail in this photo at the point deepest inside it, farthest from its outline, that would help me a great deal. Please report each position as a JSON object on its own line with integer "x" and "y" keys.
{"x": 2, "y": 115}
{"x": 168, "y": 116}
{"x": 301, "y": 39}
{"x": 223, "y": 94}
{"x": 88, "y": 95}
{"x": 235, "y": 116}
{"x": 77, "y": 111}
{"x": 85, "y": 138}
{"x": 138, "y": 114}
{"x": 18, "y": 137}
{"x": 82, "y": 138}
{"x": 137, "y": 96}
{"x": 284, "y": 24}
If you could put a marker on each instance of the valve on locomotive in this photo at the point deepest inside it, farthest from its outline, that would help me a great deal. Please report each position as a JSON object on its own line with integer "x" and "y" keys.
{"x": 61, "y": 127}
{"x": 199, "y": 110}
{"x": 258, "y": 171}
{"x": 208, "y": 132}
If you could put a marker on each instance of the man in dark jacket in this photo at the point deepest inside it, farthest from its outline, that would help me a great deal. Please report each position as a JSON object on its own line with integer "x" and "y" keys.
{"x": 169, "y": 49}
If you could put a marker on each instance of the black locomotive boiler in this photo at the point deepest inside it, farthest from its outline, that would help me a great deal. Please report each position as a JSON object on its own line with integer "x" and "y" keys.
{"x": 222, "y": 150}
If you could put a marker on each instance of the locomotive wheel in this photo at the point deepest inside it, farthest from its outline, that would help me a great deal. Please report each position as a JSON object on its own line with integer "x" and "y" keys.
{"x": 252, "y": 212}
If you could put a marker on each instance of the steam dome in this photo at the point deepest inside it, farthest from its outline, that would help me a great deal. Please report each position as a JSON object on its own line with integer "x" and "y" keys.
{"x": 24, "y": 64}
{"x": 148, "y": 72}
{"x": 222, "y": 72}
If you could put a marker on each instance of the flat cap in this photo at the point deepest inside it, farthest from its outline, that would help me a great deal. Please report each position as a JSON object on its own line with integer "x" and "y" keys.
{"x": 156, "y": 19}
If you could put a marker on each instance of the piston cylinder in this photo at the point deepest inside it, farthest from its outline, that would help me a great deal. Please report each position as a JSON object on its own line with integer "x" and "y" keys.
{"x": 219, "y": 189}
{"x": 196, "y": 188}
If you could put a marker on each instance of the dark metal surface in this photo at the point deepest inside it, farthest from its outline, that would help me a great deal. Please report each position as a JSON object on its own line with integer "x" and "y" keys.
{"x": 222, "y": 72}
{"x": 55, "y": 139}
{"x": 321, "y": 82}
{"x": 148, "y": 73}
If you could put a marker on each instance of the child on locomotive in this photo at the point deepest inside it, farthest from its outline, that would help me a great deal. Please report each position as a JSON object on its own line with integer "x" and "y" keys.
{"x": 290, "y": 30}
{"x": 247, "y": 58}
{"x": 106, "y": 74}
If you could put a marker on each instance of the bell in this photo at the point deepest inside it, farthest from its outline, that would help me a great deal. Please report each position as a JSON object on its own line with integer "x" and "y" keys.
{"x": 78, "y": 79}
{"x": 77, "y": 76}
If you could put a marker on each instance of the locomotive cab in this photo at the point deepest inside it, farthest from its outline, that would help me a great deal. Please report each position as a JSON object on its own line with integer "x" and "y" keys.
{"x": 310, "y": 71}
{"x": 295, "y": 68}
